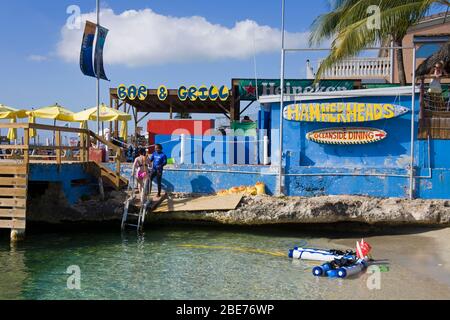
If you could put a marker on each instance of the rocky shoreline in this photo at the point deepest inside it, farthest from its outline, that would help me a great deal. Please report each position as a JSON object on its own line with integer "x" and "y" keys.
{"x": 266, "y": 210}
{"x": 259, "y": 210}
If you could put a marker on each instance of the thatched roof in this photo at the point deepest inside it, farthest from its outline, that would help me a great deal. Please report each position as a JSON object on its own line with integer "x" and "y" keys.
{"x": 442, "y": 55}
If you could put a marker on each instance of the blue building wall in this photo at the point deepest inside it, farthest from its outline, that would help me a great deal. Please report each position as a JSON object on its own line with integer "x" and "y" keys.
{"x": 392, "y": 152}
{"x": 376, "y": 169}
{"x": 67, "y": 175}
{"x": 207, "y": 179}
{"x": 213, "y": 149}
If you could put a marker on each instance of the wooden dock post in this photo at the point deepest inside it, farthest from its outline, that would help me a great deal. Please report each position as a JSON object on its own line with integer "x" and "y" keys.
{"x": 58, "y": 147}
{"x": 17, "y": 235}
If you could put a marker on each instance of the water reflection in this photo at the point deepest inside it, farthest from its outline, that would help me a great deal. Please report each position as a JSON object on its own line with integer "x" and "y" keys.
{"x": 190, "y": 263}
{"x": 13, "y": 273}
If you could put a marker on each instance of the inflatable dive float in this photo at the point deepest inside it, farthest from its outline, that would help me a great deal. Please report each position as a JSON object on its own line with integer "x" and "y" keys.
{"x": 319, "y": 254}
{"x": 338, "y": 264}
{"x": 340, "y": 268}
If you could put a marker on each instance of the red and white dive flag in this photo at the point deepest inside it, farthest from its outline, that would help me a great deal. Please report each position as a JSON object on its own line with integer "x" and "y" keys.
{"x": 362, "y": 249}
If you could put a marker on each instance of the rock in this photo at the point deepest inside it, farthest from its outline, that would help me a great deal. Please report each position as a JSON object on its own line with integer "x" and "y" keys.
{"x": 256, "y": 210}
{"x": 52, "y": 207}
{"x": 259, "y": 210}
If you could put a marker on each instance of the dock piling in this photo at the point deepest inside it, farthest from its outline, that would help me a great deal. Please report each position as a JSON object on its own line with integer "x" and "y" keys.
{"x": 17, "y": 235}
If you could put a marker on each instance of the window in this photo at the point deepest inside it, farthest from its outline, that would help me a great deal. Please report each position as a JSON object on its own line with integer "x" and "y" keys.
{"x": 427, "y": 50}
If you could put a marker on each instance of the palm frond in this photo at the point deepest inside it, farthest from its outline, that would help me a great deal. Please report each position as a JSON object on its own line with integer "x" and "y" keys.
{"x": 324, "y": 26}
{"x": 352, "y": 34}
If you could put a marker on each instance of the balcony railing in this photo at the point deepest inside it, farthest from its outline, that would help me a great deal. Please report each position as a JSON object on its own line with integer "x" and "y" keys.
{"x": 359, "y": 68}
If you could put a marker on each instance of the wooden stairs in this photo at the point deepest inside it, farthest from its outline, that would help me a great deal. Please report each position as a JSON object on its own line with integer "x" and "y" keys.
{"x": 13, "y": 196}
{"x": 108, "y": 176}
{"x": 111, "y": 178}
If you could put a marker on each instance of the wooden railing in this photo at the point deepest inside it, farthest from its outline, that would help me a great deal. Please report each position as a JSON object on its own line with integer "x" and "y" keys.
{"x": 27, "y": 152}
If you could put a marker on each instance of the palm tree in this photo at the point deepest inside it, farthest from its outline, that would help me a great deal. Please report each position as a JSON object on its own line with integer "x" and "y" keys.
{"x": 349, "y": 24}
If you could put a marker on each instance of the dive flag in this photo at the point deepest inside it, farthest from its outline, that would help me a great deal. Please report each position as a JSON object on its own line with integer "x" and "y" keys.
{"x": 98, "y": 60}
{"x": 86, "y": 50}
{"x": 362, "y": 249}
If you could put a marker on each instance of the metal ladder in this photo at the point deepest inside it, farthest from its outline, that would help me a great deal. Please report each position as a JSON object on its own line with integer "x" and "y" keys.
{"x": 140, "y": 217}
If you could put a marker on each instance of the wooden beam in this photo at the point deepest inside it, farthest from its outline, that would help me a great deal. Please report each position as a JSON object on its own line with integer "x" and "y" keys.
{"x": 52, "y": 128}
{"x": 13, "y": 169}
{"x": 142, "y": 118}
{"x": 226, "y": 115}
{"x": 235, "y": 104}
{"x": 82, "y": 147}
{"x": 13, "y": 147}
{"x": 116, "y": 123}
{"x": 135, "y": 115}
{"x": 58, "y": 144}
{"x": 55, "y": 147}
{"x": 19, "y": 181}
{"x": 13, "y": 192}
{"x": 26, "y": 136}
{"x": 12, "y": 213}
{"x": 223, "y": 108}
{"x": 105, "y": 142}
{"x": 14, "y": 125}
{"x": 13, "y": 202}
{"x": 13, "y": 224}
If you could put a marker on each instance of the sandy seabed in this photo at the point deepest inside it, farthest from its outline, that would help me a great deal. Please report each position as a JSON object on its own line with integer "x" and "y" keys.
{"x": 419, "y": 267}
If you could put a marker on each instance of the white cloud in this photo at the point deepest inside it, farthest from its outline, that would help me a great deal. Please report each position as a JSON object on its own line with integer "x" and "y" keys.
{"x": 143, "y": 37}
{"x": 37, "y": 58}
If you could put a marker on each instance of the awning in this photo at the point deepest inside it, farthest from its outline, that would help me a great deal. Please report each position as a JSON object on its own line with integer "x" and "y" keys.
{"x": 175, "y": 105}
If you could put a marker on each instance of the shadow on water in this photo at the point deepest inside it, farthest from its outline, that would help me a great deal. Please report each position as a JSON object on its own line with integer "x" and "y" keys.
{"x": 331, "y": 231}
{"x": 327, "y": 230}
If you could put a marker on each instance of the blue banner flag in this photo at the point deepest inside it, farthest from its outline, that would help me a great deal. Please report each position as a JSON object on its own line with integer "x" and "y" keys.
{"x": 86, "y": 50}
{"x": 98, "y": 58}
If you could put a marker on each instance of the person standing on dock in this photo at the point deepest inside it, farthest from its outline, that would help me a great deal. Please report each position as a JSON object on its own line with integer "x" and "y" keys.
{"x": 158, "y": 161}
{"x": 140, "y": 172}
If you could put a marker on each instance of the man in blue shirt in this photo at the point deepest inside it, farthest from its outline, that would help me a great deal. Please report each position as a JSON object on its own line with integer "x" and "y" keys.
{"x": 158, "y": 161}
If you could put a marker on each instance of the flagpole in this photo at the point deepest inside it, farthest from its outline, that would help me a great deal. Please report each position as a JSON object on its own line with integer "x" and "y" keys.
{"x": 280, "y": 147}
{"x": 98, "y": 70}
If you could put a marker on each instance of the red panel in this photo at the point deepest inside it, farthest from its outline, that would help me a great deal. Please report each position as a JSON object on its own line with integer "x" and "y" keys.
{"x": 195, "y": 127}
{"x": 97, "y": 155}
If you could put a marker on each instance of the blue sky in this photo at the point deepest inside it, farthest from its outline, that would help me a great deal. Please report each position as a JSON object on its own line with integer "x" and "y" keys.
{"x": 33, "y": 28}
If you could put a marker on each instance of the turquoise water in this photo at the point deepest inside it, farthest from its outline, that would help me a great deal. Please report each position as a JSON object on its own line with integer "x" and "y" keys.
{"x": 169, "y": 263}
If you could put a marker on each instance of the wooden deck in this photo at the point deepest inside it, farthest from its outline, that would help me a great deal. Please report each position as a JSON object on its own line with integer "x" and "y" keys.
{"x": 209, "y": 203}
{"x": 15, "y": 163}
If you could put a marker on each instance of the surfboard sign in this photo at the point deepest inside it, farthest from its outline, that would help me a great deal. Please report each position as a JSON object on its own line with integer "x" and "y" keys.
{"x": 342, "y": 112}
{"x": 354, "y": 135}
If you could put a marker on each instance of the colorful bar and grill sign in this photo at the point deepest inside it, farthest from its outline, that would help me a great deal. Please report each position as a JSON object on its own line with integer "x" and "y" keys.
{"x": 337, "y": 112}
{"x": 356, "y": 135}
